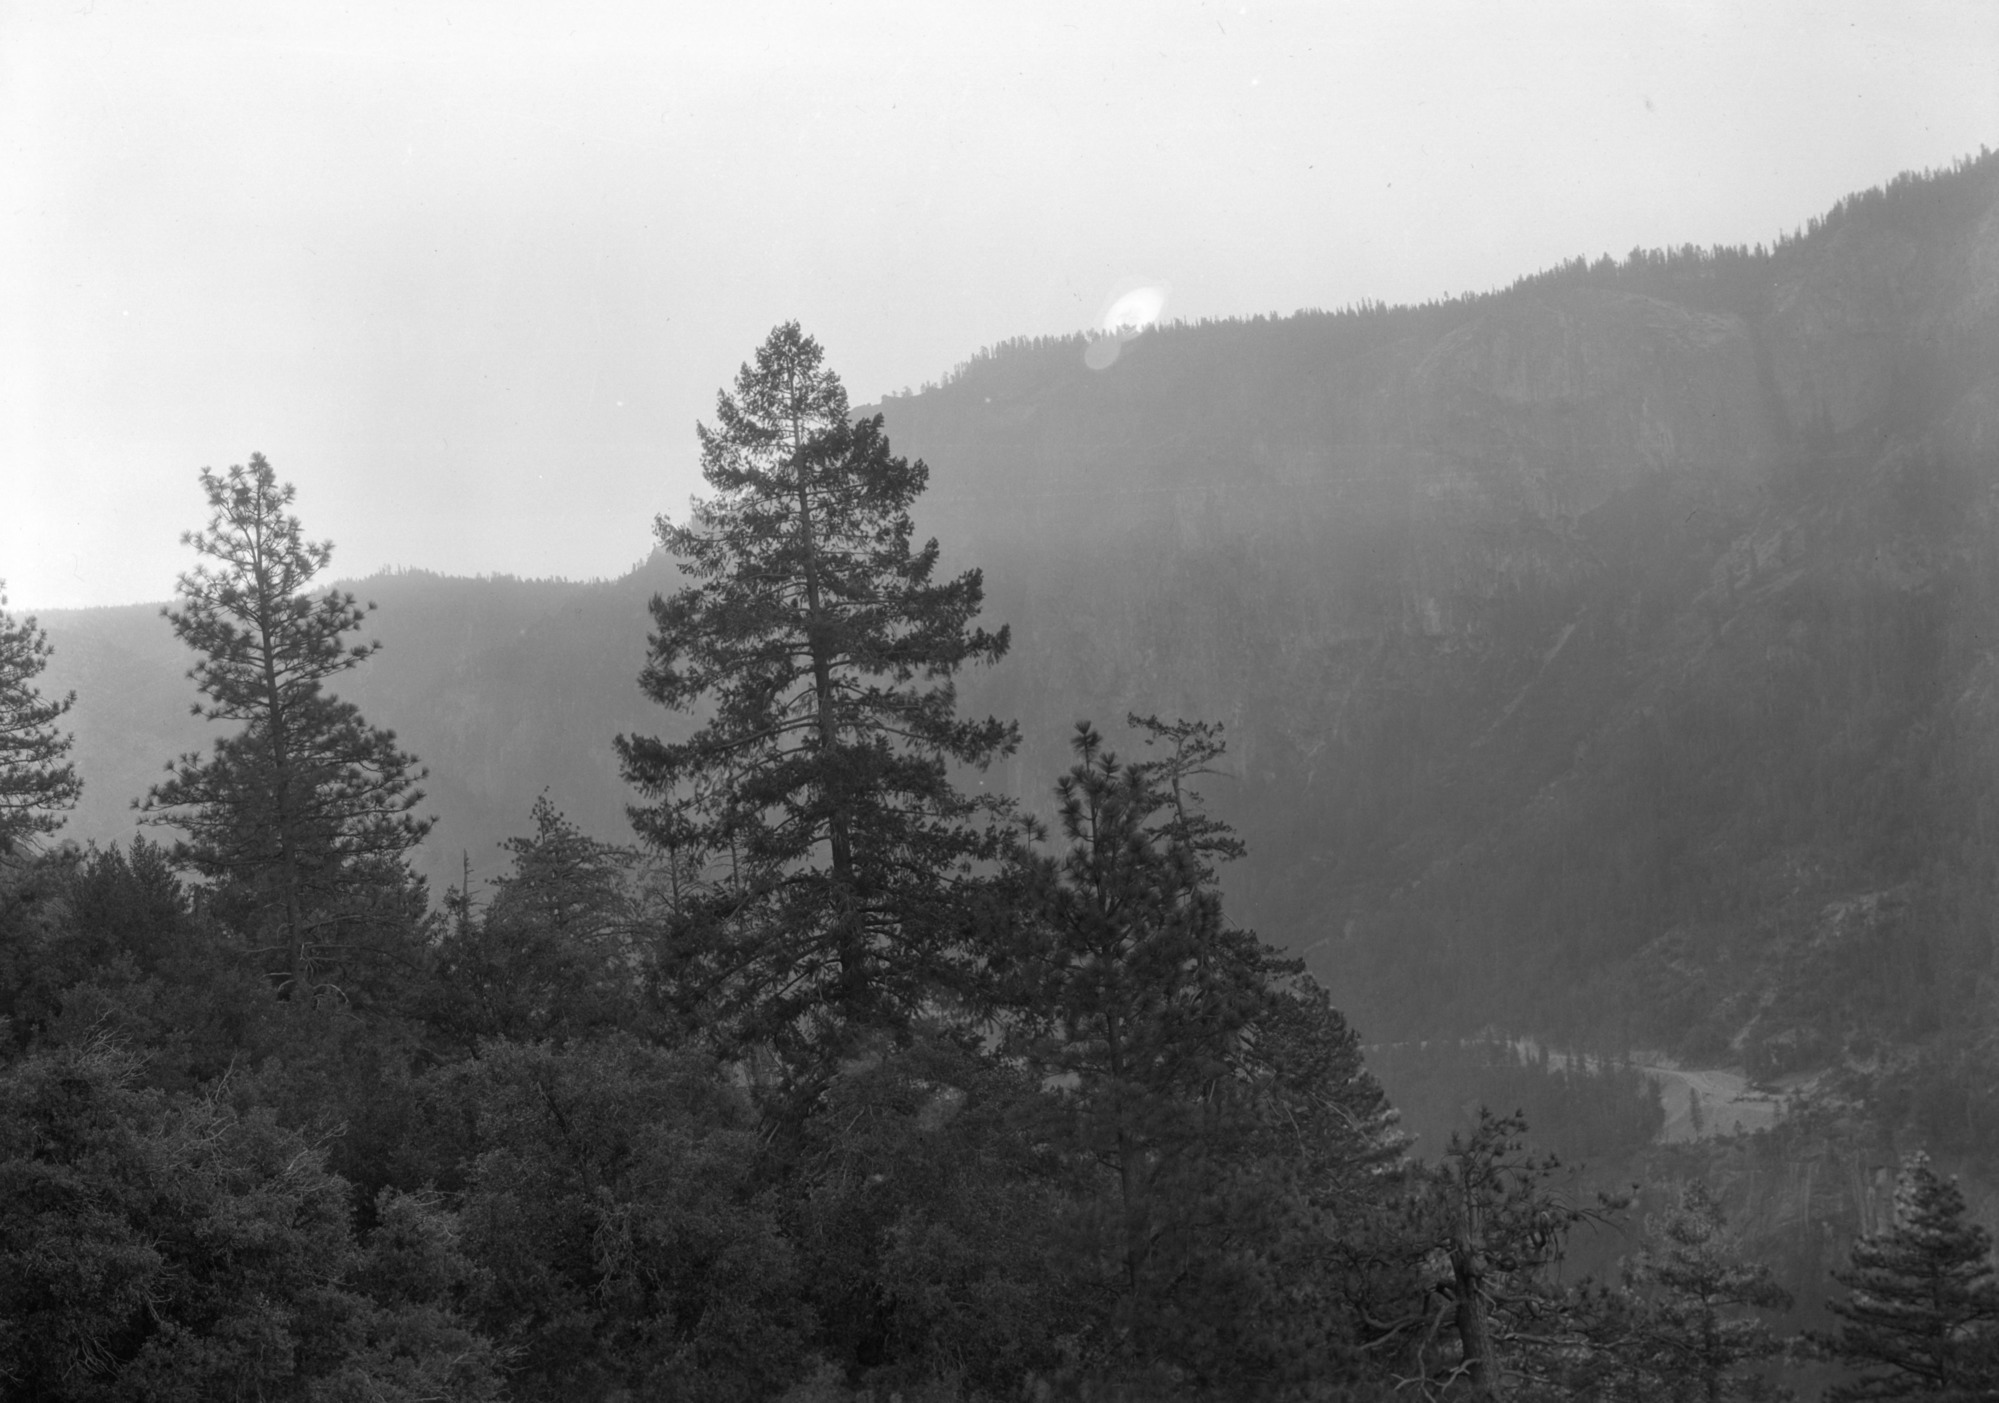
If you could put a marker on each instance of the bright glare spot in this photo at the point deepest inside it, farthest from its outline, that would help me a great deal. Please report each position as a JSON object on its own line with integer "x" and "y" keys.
{"x": 1136, "y": 310}
{"x": 1132, "y": 308}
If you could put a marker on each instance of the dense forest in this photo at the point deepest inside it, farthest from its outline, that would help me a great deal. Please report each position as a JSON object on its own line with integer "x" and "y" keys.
{"x": 851, "y": 1074}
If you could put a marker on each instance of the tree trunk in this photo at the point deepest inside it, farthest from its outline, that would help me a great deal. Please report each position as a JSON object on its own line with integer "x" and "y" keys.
{"x": 298, "y": 962}
{"x": 848, "y": 944}
{"x": 1474, "y": 1332}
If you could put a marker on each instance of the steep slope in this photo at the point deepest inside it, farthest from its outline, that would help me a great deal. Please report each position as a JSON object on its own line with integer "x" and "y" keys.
{"x": 1592, "y": 651}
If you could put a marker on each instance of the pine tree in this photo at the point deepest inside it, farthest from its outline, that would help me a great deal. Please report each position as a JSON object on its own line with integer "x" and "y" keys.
{"x": 1700, "y": 1290}
{"x": 302, "y": 819}
{"x": 1608, "y": 1348}
{"x": 564, "y": 882}
{"x": 821, "y": 647}
{"x": 1221, "y": 1096}
{"x": 1492, "y": 1220}
{"x": 1141, "y": 995}
{"x": 553, "y": 954}
{"x": 35, "y": 779}
{"x": 1922, "y": 1306}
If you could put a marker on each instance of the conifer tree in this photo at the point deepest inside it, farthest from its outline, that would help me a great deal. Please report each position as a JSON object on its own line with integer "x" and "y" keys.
{"x": 1494, "y": 1226}
{"x": 821, "y": 646}
{"x": 35, "y": 779}
{"x": 1222, "y": 1096}
{"x": 1142, "y": 994}
{"x": 1698, "y": 1330}
{"x": 302, "y": 819}
{"x": 564, "y": 881}
{"x": 1922, "y": 1307}
{"x": 552, "y": 956}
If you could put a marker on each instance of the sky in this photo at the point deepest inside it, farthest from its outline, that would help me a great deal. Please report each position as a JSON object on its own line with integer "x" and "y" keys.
{"x": 469, "y": 274}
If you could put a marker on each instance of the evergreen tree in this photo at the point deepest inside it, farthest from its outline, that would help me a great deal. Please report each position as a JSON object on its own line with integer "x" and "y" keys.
{"x": 552, "y": 956}
{"x": 1699, "y": 1288}
{"x": 35, "y": 780}
{"x": 1922, "y": 1306}
{"x": 1221, "y": 1096}
{"x": 564, "y": 881}
{"x": 302, "y": 819}
{"x": 821, "y": 647}
{"x": 1140, "y": 991}
{"x": 1609, "y": 1348}
{"x": 1494, "y": 1226}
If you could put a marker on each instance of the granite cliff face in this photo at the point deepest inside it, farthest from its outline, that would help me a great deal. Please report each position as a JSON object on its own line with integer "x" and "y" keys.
{"x": 1608, "y": 658}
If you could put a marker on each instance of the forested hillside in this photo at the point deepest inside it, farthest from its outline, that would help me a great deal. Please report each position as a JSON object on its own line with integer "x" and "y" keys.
{"x": 1554, "y": 689}
{"x": 1591, "y": 650}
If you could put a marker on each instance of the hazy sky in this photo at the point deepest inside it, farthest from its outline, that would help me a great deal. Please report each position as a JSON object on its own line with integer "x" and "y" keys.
{"x": 468, "y": 274}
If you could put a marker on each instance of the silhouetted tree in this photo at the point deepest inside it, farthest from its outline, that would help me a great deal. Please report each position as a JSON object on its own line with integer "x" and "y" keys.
{"x": 302, "y": 819}
{"x": 1220, "y": 1095}
{"x": 821, "y": 647}
{"x": 553, "y": 954}
{"x": 35, "y": 779}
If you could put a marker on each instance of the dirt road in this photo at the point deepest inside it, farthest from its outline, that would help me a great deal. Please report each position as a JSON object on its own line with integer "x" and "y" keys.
{"x": 1703, "y": 1101}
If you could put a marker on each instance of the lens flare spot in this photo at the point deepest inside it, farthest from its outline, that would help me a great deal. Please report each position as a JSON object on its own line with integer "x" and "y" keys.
{"x": 1102, "y": 352}
{"x": 1130, "y": 309}
{"x": 1135, "y": 310}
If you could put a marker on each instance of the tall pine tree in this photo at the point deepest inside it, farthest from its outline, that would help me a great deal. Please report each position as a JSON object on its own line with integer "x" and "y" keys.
{"x": 820, "y": 646}
{"x": 302, "y": 819}
{"x": 553, "y": 955}
{"x": 35, "y": 779}
{"x": 1922, "y": 1307}
{"x": 1698, "y": 1330}
{"x": 1489, "y": 1230}
{"x": 1221, "y": 1099}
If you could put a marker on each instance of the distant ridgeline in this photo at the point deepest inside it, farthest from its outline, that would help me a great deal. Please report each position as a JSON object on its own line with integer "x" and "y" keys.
{"x": 1607, "y": 656}
{"x": 1606, "y": 659}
